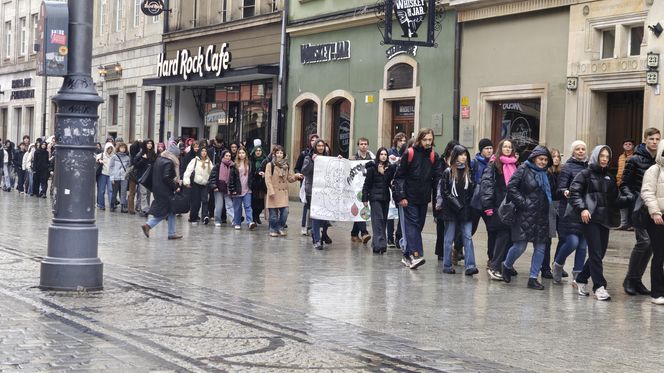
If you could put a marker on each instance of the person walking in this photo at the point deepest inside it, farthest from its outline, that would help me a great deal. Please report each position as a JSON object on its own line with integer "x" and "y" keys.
{"x": 258, "y": 188}
{"x": 142, "y": 161}
{"x": 554, "y": 176}
{"x": 104, "y": 184}
{"x": 493, "y": 190}
{"x": 165, "y": 182}
{"x": 196, "y": 176}
{"x": 277, "y": 177}
{"x": 27, "y": 168}
{"x": 628, "y": 152}
{"x": 530, "y": 192}
{"x": 416, "y": 176}
{"x": 41, "y": 167}
{"x": 478, "y": 165}
{"x": 118, "y": 166}
{"x": 652, "y": 193}
{"x": 454, "y": 193}
{"x": 240, "y": 190}
{"x": 637, "y": 165}
{"x": 376, "y": 194}
{"x": 571, "y": 230}
{"x": 359, "y": 231}
{"x": 395, "y": 152}
{"x": 593, "y": 193}
{"x": 320, "y": 149}
{"x": 219, "y": 182}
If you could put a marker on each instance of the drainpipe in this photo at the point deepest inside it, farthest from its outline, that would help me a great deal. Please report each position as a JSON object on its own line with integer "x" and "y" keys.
{"x": 457, "y": 79}
{"x": 162, "y": 105}
{"x": 281, "y": 114}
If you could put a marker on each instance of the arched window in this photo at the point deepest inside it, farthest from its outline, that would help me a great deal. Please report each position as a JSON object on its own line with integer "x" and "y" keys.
{"x": 341, "y": 117}
{"x": 309, "y": 121}
{"x": 400, "y": 76}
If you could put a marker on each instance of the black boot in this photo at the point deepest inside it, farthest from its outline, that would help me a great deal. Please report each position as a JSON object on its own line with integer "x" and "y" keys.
{"x": 534, "y": 284}
{"x": 629, "y": 288}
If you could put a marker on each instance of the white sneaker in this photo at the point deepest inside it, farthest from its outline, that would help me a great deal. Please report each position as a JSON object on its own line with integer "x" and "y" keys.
{"x": 237, "y": 227}
{"x": 274, "y": 234}
{"x": 602, "y": 294}
{"x": 217, "y": 224}
{"x": 416, "y": 262}
{"x": 406, "y": 261}
{"x": 303, "y": 231}
{"x": 582, "y": 289}
{"x": 283, "y": 233}
{"x": 659, "y": 300}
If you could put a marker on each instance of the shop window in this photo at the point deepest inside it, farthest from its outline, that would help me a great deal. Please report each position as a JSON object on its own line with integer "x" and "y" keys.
{"x": 635, "y": 40}
{"x": 608, "y": 43}
{"x": 341, "y": 114}
{"x": 309, "y": 122}
{"x": 113, "y": 110}
{"x": 518, "y": 120}
{"x": 400, "y": 76}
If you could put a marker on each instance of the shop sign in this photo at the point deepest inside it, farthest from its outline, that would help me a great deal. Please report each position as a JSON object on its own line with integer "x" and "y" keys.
{"x": 405, "y": 110}
{"x": 344, "y": 134}
{"x": 22, "y": 94}
{"x": 410, "y": 15}
{"x": 216, "y": 117}
{"x": 396, "y": 50}
{"x": 152, "y": 7}
{"x": 52, "y": 39}
{"x": 207, "y": 61}
{"x": 324, "y": 52}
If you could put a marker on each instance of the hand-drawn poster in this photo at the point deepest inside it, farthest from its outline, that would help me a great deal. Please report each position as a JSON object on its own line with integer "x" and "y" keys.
{"x": 336, "y": 192}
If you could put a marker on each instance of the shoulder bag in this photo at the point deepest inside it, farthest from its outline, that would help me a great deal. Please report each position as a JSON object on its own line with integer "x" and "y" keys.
{"x": 506, "y": 211}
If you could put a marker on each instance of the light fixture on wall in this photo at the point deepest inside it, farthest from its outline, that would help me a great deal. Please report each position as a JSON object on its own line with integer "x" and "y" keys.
{"x": 656, "y": 29}
{"x": 102, "y": 71}
{"x": 110, "y": 72}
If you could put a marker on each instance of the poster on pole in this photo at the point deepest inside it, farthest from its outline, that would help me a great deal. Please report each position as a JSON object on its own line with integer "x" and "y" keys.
{"x": 336, "y": 192}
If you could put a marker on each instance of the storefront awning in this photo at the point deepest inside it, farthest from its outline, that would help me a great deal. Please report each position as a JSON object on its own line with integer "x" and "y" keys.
{"x": 242, "y": 74}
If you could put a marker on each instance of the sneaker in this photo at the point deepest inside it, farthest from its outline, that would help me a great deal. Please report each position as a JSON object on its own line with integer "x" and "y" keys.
{"x": 237, "y": 227}
{"x": 284, "y": 233}
{"x": 659, "y": 300}
{"x": 494, "y": 275}
{"x": 217, "y": 224}
{"x": 405, "y": 260}
{"x": 318, "y": 245}
{"x": 581, "y": 289}
{"x": 303, "y": 231}
{"x": 449, "y": 271}
{"x": 326, "y": 239}
{"x": 602, "y": 294}
{"x": 146, "y": 230}
{"x": 390, "y": 243}
{"x": 365, "y": 238}
{"x": 252, "y": 226}
{"x": 194, "y": 223}
{"x": 471, "y": 271}
{"x": 416, "y": 262}
{"x": 534, "y": 284}
{"x": 274, "y": 234}
{"x": 557, "y": 272}
{"x": 355, "y": 239}
{"x": 206, "y": 220}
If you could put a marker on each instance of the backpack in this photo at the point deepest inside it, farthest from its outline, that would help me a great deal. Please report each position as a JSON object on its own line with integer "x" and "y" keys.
{"x": 411, "y": 154}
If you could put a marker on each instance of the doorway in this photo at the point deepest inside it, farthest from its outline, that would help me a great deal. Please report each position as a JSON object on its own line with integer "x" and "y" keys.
{"x": 403, "y": 118}
{"x": 131, "y": 117}
{"x": 309, "y": 121}
{"x": 624, "y": 120}
{"x": 340, "y": 142}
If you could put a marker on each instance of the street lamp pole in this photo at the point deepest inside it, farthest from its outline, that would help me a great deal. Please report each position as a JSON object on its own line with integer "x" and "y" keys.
{"x": 72, "y": 262}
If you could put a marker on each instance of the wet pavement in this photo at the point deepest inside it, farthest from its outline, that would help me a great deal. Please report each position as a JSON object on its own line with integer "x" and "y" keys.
{"x": 226, "y": 300}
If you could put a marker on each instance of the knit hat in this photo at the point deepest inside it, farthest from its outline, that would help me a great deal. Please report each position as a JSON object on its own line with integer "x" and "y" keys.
{"x": 257, "y": 142}
{"x": 484, "y": 143}
{"x": 574, "y": 145}
{"x": 173, "y": 147}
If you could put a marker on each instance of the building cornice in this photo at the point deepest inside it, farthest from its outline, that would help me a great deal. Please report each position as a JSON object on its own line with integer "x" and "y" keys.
{"x": 473, "y": 10}
{"x": 231, "y": 26}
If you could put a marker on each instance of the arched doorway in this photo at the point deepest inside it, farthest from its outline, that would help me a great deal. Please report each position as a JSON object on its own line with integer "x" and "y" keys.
{"x": 341, "y": 127}
{"x": 309, "y": 121}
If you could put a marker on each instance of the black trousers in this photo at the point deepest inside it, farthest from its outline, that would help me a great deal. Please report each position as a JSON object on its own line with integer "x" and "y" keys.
{"x": 21, "y": 180}
{"x": 501, "y": 246}
{"x": 257, "y": 206}
{"x": 640, "y": 257}
{"x": 656, "y": 233}
{"x": 198, "y": 200}
{"x": 40, "y": 183}
{"x": 597, "y": 237}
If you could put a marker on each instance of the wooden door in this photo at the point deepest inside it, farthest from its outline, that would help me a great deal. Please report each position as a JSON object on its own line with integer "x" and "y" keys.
{"x": 403, "y": 118}
{"x": 624, "y": 120}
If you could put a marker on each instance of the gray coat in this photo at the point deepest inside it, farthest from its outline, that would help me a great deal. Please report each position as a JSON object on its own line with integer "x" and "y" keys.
{"x": 118, "y": 166}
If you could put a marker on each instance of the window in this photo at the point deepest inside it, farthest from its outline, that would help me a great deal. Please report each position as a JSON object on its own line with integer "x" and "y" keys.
{"x": 635, "y": 40}
{"x": 608, "y": 43}
{"x": 248, "y": 8}
{"x": 155, "y": 19}
{"x": 102, "y": 16}
{"x": 137, "y": 12}
{"x": 8, "y": 39}
{"x": 118, "y": 15}
{"x": 113, "y": 110}
{"x": 400, "y": 76}
{"x": 24, "y": 36}
{"x": 518, "y": 120}
{"x": 224, "y": 11}
{"x": 34, "y": 19}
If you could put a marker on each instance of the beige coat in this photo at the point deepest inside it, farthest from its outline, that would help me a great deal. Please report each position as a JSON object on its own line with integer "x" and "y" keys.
{"x": 652, "y": 189}
{"x": 202, "y": 174}
{"x": 277, "y": 187}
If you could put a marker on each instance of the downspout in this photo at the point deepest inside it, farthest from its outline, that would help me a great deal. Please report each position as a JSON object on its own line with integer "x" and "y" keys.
{"x": 281, "y": 115}
{"x": 457, "y": 79}
{"x": 162, "y": 106}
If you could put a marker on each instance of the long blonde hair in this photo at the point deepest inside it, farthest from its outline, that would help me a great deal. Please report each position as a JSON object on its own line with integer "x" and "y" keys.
{"x": 244, "y": 162}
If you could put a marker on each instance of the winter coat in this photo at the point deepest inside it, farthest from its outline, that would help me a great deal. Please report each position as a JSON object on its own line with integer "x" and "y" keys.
{"x": 118, "y": 166}
{"x": 215, "y": 183}
{"x": 531, "y": 220}
{"x": 595, "y": 190}
{"x": 140, "y": 163}
{"x": 105, "y": 158}
{"x": 415, "y": 180}
{"x": 214, "y": 153}
{"x": 454, "y": 208}
{"x": 163, "y": 186}
{"x": 479, "y": 165}
{"x": 652, "y": 190}
{"x": 492, "y": 192}
{"x": 186, "y": 159}
{"x": 308, "y": 172}
{"x": 636, "y": 166}
{"x": 201, "y": 169}
{"x": 622, "y": 160}
{"x": 376, "y": 186}
{"x": 18, "y": 159}
{"x": 258, "y": 188}
{"x": 300, "y": 159}
{"x": 235, "y": 183}
{"x": 569, "y": 170}
{"x": 27, "y": 159}
{"x": 277, "y": 187}
{"x": 40, "y": 162}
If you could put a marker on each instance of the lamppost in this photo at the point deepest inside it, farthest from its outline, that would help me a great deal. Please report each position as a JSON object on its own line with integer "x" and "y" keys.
{"x": 72, "y": 262}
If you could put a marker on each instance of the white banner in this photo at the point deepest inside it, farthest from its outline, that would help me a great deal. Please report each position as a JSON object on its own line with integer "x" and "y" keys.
{"x": 336, "y": 192}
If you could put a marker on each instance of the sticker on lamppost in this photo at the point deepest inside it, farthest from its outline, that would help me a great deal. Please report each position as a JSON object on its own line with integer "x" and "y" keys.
{"x": 52, "y": 39}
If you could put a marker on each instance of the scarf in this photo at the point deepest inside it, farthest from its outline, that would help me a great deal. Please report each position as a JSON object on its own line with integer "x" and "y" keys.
{"x": 258, "y": 161}
{"x": 509, "y": 167}
{"x": 460, "y": 166}
{"x": 176, "y": 163}
{"x": 225, "y": 170}
{"x": 542, "y": 178}
{"x": 281, "y": 166}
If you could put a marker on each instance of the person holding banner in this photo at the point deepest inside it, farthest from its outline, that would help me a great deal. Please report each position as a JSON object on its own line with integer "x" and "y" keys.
{"x": 415, "y": 177}
{"x": 376, "y": 191}
{"x": 319, "y": 149}
{"x": 359, "y": 232}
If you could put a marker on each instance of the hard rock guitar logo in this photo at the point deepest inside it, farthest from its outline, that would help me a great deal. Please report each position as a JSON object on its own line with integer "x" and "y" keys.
{"x": 411, "y": 14}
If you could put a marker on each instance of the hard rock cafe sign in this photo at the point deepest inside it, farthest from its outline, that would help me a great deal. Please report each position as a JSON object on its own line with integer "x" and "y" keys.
{"x": 152, "y": 7}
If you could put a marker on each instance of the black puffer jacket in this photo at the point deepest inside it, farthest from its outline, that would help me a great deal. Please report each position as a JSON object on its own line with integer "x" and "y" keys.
{"x": 376, "y": 185}
{"x": 414, "y": 180}
{"x": 635, "y": 167}
{"x": 595, "y": 190}
{"x": 531, "y": 222}
{"x": 140, "y": 163}
{"x": 492, "y": 192}
{"x": 163, "y": 186}
{"x": 454, "y": 207}
{"x": 570, "y": 169}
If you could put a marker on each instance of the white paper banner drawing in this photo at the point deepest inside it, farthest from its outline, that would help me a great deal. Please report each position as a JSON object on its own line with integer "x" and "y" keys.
{"x": 336, "y": 192}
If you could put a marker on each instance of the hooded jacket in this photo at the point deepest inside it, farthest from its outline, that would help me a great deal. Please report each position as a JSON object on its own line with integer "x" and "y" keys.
{"x": 118, "y": 166}
{"x": 27, "y": 158}
{"x": 652, "y": 190}
{"x": 106, "y": 158}
{"x": 636, "y": 166}
{"x": 595, "y": 190}
{"x": 40, "y": 162}
{"x": 453, "y": 196}
{"x": 568, "y": 172}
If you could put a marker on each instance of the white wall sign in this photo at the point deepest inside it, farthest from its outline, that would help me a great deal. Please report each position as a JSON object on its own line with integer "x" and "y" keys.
{"x": 205, "y": 62}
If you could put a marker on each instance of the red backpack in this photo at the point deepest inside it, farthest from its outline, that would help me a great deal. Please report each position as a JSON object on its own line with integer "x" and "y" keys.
{"x": 411, "y": 154}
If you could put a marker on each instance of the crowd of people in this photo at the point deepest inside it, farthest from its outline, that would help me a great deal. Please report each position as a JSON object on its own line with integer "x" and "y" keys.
{"x": 522, "y": 195}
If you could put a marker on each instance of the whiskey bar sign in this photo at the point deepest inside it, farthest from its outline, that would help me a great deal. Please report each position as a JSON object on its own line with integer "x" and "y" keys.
{"x": 417, "y": 20}
{"x": 324, "y": 52}
{"x": 411, "y": 14}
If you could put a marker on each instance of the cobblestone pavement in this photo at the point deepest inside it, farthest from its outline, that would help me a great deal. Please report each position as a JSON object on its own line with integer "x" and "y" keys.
{"x": 225, "y": 300}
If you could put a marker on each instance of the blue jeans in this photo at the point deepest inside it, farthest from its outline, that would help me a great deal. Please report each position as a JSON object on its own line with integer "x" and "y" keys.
{"x": 402, "y": 226}
{"x": 153, "y": 221}
{"x": 278, "y": 217}
{"x": 238, "y": 203}
{"x": 316, "y": 225}
{"x": 28, "y": 176}
{"x": 306, "y": 222}
{"x": 414, "y": 218}
{"x": 573, "y": 242}
{"x": 221, "y": 199}
{"x": 104, "y": 185}
{"x": 468, "y": 248}
{"x": 518, "y": 248}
